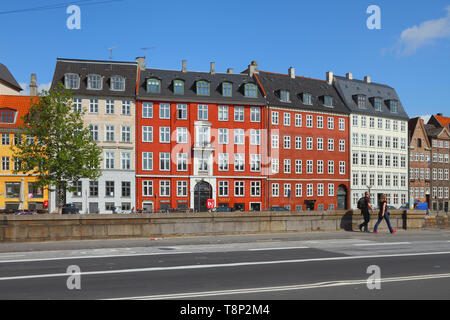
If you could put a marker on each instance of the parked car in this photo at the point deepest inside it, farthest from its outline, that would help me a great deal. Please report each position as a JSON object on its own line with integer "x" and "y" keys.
{"x": 391, "y": 208}
{"x": 278, "y": 208}
{"x": 70, "y": 208}
{"x": 223, "y": 209}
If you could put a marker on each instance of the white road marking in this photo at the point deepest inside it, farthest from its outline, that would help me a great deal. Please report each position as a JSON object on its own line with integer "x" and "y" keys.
{"x": 280, "y": 248}
{"x": 381, "y": 244}
{"x": 224, "y": 265}
{"x": 284, "y": 288}
{"x": 95, "y": 257}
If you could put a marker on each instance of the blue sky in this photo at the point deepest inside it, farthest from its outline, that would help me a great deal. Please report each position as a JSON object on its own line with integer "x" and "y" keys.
{"x": 411, "y": 52}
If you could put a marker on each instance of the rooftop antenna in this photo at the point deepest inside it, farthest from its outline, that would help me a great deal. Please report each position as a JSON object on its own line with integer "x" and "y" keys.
{"x": 147, "y": 48}
{"x": 110, "y": 52}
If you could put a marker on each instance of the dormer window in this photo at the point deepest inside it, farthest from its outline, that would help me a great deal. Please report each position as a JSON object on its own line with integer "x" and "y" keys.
{"x": 203, "y": 88}
{"x": 307, "y": 98}
{"x": 118, "y": 83}
{"x": 7, "y": 115}
{"x": 72, "y": 81}
{"x": 153, "y": 85}
{"x": 360, "y": 100}
{"x": 250, "y": 90}
{"x": 328, "y": 101}
{"x": 377, "y": 104}
{"x": 178, "y": 86}
{"x": 227, "y": 89}
{"x": 284, "y": 96}
{"x": 94, "y": 82}
{"x": 393, "y": 106}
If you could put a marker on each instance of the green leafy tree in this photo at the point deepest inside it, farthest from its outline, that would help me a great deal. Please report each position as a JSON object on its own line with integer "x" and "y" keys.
{"x": 58, "y": 147}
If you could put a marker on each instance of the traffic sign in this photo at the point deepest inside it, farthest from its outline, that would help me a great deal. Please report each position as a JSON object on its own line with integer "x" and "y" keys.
{"x": 210, "y": 204}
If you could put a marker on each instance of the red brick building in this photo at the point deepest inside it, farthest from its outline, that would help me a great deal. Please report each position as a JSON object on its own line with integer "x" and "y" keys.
{"x": 200, "y": 136}
{"x": 308, "y": 143}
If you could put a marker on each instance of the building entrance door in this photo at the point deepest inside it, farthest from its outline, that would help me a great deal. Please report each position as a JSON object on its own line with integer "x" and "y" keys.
{"x": 342, "y": 198}
{"x": 202, "y": 192}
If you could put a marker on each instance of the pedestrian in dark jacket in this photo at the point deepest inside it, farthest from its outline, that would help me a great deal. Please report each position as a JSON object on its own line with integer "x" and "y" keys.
{"x": 383, "y": 214}
{"x": 366, "y": 206}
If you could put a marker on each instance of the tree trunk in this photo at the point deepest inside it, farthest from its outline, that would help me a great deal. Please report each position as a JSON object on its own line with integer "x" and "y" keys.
{"x": 60, "y": 196}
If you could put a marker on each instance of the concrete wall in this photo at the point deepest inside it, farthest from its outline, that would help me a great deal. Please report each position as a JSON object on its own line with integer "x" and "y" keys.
{"x": 52, "y": 227}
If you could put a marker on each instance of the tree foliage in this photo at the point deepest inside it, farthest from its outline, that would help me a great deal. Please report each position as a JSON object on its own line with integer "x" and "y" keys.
{"x": 58, "y": 147}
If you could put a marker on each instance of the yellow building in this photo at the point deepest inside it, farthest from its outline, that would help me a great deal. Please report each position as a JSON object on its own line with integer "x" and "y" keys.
{"x": 17, "y": 191}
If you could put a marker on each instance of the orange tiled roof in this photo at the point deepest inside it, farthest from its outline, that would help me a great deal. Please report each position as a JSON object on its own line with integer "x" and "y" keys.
{"x": 444, "y": 121}
{"x": 20, "y": 103}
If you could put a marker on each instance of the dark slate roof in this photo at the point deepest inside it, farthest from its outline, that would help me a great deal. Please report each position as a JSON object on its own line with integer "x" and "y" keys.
{"x": 190, "y": 79}
{"x": 274, "y": 82}
{"x": 7, "y": 77}
{"x": 106, "y": 69}
{"x": 432, "y": 131}
{"x": 349, "y": 88}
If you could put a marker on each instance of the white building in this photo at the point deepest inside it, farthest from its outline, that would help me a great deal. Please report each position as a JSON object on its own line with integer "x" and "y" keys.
{"x": 378, "y": 141}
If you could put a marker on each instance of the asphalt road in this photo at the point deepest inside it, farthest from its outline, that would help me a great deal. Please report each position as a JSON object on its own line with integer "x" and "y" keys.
{"x": 407, "y": 265}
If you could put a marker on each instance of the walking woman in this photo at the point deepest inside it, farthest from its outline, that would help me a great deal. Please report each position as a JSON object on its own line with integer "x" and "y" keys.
{"x": 383, "y": 214}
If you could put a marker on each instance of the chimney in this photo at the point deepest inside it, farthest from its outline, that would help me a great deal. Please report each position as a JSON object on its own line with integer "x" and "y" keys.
{"x": 141, "y": 63}
{"x": 213, "y": 68}
{"x": 291, "y": 72}
{"x": 367, "y": 79}
{"x": 183, "y": 65}
{"x": 230, "y": 70}
{"x": 440, "y": 114}
{"x": 253, "y": 68}
{"x": 349, "y": 76}
{"x": 330, "y": 77}
{"x": 33, "y": 85}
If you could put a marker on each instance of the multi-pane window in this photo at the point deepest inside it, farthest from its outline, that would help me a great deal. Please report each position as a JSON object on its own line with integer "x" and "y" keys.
{"x": 255, "y": 188}
{"x": 298, "y": 166}
{"x": 307, "y": 98}
{"x": 309, "y": 166}
{"x": 164, "y": 110}
{"x": 239, "y": 136}
{"x": 341, "y": 167}
{"x": 320, "y": 189}
{"x": 5, "y": 163}
{"x": 227, "y": 89}
{"x": 147, "y": 188}
{"x": 147, "y": 110}
{"x": 298, "y": 143}
{"x": 251, "y": 90}
{"x": 330, "y": 167}
{"x": 309, "y": 190}
{"x": 275, "y": 165}
{"x": 94, "y": 82}
{"x": 153, "y": 85}
{"x": 223, "y": 113}
{"x": 182, "y": 188}
{"x": 164, "y": 161}
{"x": 223, "y": 162}
{"x": 202, "y": 112}
{"x": 285, "y": 96}
{"x": 320, "y": 122}
{"x": 5, "y": 139}
{"x": 309, "y": 121}
{"x": 126, "y": 107}
{"x": 361, "y": 101}
{"x": 319, "y": 143}
{"x": 331, "y": 123}
{"x": 72, "y": 81}
{"x": 320, "y": 166}
{"x": 147, "y": 161}
{"x": 147, "y": 134}
{"x": 182, "y": 159}
{"x": 77, "y": 105}
{"x": 109, "y": 188}
{"x": 118, "y": 83}
{"x": 109, "y": 106}
{"x": 377, "y": 104}
{"x": 275, "y": 141}
{"x": 203, "y": 88}
{"x": 239, "y": 114}
{"x": 330, "y": 144}
{"x": 109, "y": 160}
{"x": 223, "y": 188}
{"x": 328, "y": 101}
{"x": 341, "y": 124}
{"x": 255, "y": 162}
{"x": 125, "y": 133}
{"x": 309, "y": 143}
{"x": 178, "y": 87}
{"x": 125, "y": 160}
{"x": 287, "y": 142}
{"x": 164, "y": 188}
{"x": 298, "y": 189}
{"x": 223, "y": 136}
{"x": 126, "y": 189}
{"x": 275, "y": 118}
{"x": 287, "y": 165}
{"x": 239, "y": 188}
{"x": 93, "y": 188}
{"x": 341, "y": 145}
{"x": 298, "y": 120}
{"x": 182, "y": 135}
{"x": 255, "y": 114}
{"x": 93, "y": 105}
{"x": 255, "y": 137}
{"x": 182, "y": 111}
{"x": 164, "y": 134}
{"x": 275, "y": 189}
{"x": 239, "y": 162}
{"x": 287, "y": 190}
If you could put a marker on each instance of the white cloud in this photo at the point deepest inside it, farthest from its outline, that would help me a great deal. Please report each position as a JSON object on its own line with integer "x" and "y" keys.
{"x": 413, "y": 38}
{"x": 26, "y": 88}
{"x": 426, "y": 117}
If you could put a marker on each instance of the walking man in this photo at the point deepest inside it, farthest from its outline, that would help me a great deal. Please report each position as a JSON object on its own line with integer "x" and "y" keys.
{"x": 364, "y": 205}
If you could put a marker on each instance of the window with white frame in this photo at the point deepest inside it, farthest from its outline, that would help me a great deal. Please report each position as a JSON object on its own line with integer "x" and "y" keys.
{"x": 255, "y": 137}
{"x": 223, "y": 136}
{"x": 125, "y": 160}
{"x": 298, "y": 143}
{"x": 287, "y": 165}
{"x": 125, "y": 133}
{"x": 182, "y": 159}
{"x": 93, "y": 105}
{"x": 117, "y": 83}
{"x": 309, "y": 190}
{"x": 287, "y": 142}
{"x": 341, "y": 124}
{"x": 341, "y": 145}
{"x": 164, "y": 134}
{"x": 330, "y": 144}
{"x": 223, "y": 113}
{"x": 202, "y": 112}
{"x": 182, "y": 111}
{"x": 320, "y": 166}
{"x": 72, "y": 81}
{"x": 331, "y": 189}
{"x": 255, "y": 188}
{"x": 298, "y": 166}
{"x": 287, "y": 190}
{"x": 239, "y": 136}
{"x": 147, "y": 134}
{"x": 147, "y": 188}
{"x": 320, "y": 122}
{"x": 255, "y": 162}
{"x": 341, "y": 167}
{"x": 181, "y": 135}
{"x": 93, "y": 129}
{"x": 330, "y": 167}
{"x": 330, "y": 123}
{"x": 164, "y": 188}
{"x": 182, "y": 188}
{"x": 109, "y": 133}
{"x": 309, "y": 121}
{"x": 239, "y": 188}
{"x": 147, "y": 110}
{"x": 298, "y": 120}
{"x": 320, "y": 144}
{"x": 275, "y": 118}
{"x": 126, "y": 107}
{"x": 109, "y": 159}
{"x": 309, "y": 143}
{"x": 164, "y": 161}
{"x": 164, "y": 110}
{"x": 275, "y": 165}
{"x": 147, "y": 161}
{"x": 309, "y": 166}
{"x": 275, "y": 189}
{"x": 223, "y": 162}
{"x": 239, "y": 114}
{"x": 239, "y": 162}
{"x": 94, "y": 82}
{"x": 298, "y": 190}
{"x": 275, "y": 142}
{"x": 287, "y": 119}
{"x": 255, "y": 114}
{"x": 223, "y": 188}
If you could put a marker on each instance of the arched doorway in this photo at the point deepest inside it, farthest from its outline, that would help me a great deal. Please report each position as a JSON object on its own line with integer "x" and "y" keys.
{"x": 202, "y": 192}
{"x": 342, "y": 198}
